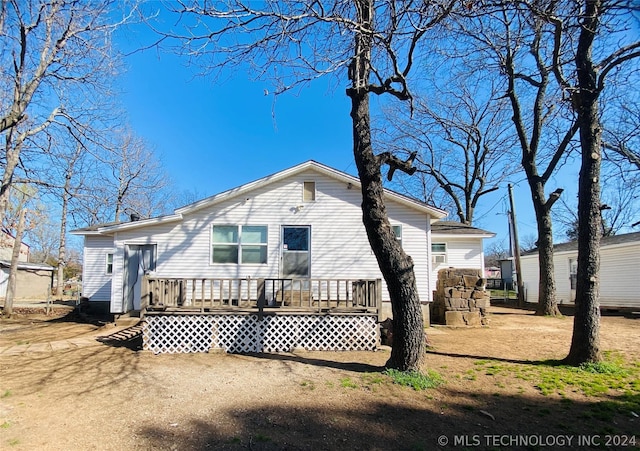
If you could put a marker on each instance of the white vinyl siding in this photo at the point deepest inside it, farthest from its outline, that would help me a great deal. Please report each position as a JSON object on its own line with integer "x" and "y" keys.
{"x": 618, "y": 275}
{"x": 96, "y": 283}
{"x": 339, "y": 245}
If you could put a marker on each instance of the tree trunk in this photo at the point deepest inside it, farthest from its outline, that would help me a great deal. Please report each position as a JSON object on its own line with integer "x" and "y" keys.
{"x": 12, "y": 159}
{"x": 585, "y": 342}
{"x": 547, "y": 304}
{"x": 13, "y": 271}
{"x": 62, "y": 249}
{"x": 396, "y": 267}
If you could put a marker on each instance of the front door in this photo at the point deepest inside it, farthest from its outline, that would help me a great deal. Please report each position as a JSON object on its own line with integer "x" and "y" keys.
{"x": 138, "y": 261}
{"x": 296, "y": 261}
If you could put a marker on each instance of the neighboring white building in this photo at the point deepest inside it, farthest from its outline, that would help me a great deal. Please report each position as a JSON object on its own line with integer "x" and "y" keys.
{"x": 33, "y": 280}
{"x": 305, "y": 221}
{"x": 619, "y": 270}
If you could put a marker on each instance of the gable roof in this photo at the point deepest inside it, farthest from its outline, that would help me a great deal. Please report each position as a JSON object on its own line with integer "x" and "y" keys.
{"x": 105, "y": 229}
{"x": 612, "y": 240}
{"x": 459, "y": 230}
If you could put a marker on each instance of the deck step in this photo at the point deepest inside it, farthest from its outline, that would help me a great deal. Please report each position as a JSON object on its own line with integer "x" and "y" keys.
{"x": 127, "y": 319}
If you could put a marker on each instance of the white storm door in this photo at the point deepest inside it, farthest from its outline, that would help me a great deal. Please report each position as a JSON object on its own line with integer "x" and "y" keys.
{"x": 296, "y": 243}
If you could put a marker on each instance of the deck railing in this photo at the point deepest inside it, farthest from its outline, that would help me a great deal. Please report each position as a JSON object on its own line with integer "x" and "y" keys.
{"x": 210, "y": 294}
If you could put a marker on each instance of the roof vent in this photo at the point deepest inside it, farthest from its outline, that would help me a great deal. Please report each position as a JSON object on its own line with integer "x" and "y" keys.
{"x": 134, "y": 217}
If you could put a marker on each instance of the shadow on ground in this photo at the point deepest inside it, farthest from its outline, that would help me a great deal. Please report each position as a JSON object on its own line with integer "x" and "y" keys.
{"x": 461, "y": 421}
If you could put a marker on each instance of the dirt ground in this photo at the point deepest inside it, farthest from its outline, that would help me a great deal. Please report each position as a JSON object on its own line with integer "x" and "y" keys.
{"x": 62, "y": 389}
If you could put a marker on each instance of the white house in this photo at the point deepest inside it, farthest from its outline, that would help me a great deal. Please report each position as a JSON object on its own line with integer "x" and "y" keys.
{"x": 456, "y": 245}
{"x": 619, "y": 263}
{"x": 305, "y": 221}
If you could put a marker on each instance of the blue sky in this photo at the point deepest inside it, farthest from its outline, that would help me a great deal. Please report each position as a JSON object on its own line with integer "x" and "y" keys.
{"x": 212, "y": 135}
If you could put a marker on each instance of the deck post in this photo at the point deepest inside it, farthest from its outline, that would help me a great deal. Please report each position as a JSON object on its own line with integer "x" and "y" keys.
{"x": 144, "y": 298}
{"x": 379, "y": 298}
{"x": 261, "y": 299}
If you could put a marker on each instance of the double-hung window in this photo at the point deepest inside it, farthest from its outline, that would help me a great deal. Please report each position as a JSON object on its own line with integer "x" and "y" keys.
{"x": 239, "y": 244}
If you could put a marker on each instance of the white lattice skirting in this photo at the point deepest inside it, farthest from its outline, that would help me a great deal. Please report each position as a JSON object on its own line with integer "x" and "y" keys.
{"x": 245, "y": 333}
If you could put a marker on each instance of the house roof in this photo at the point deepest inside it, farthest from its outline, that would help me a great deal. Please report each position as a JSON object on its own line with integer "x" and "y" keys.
{"x": 457, "y": 229}
{"x": 25, "y": 265}
{"x": 105, "y": 229}
{"x": 604, "y": 241}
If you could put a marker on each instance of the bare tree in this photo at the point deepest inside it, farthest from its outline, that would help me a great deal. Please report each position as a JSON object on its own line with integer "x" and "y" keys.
{"x": 461, "y": 132}
{"x": 374, "y": 44}
{"x": 619, "y": 209}
{"x": 48, "y": 49}
{"x": 516, "y": 45}
{"x": 603, "y": 45}
{"x": 124, "y": 177}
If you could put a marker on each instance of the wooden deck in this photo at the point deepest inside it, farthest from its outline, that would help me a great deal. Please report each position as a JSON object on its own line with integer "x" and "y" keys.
{"x": 264, "y": 296}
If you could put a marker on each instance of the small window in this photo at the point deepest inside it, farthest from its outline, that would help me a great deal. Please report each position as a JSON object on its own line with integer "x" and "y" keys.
{"x": 109, "y": 266}
{"x": 309, "y": 192}
{"x": 397, "y": 231}
{"x": 438, "y": 253}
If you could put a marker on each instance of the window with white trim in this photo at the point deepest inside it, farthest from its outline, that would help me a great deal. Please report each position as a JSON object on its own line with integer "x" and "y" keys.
{"x": 239, "y": 244}
{"x": 397, "y": 231}
{"x": 109, "y": 263}
{"x": 438, "y": 253}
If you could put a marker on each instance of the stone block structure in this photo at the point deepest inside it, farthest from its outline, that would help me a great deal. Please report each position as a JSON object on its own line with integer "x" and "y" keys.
{"x": 461, "y": 298}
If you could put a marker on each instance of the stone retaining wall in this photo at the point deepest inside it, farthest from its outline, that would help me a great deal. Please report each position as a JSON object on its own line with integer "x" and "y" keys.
{"x": 461, "y": 298}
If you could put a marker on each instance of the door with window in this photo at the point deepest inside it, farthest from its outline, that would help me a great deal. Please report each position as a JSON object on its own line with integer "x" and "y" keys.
{"x": 296, "y": 243}
{"x": 138, "y": 261}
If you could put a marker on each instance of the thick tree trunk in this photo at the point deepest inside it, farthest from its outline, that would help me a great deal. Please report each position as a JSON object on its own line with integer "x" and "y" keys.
{"x": 396, "y": 267}
{"x": 547, "y": 304}
{"x": 585, "y": 342}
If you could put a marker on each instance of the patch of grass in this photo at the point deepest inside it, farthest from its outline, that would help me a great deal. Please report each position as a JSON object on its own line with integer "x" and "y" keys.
{"x": 591, "y": 379}
{"x": 5, "y": 425}
{"x": 346, "y": 382}
{"x": 470, "y": 375}
{"x": 544, "y": 412}
{"x": 234, "y": 440}
{"x": 415, "y": 379}
{"x": 308, "y": 384}
{"x": 262, "y": 438}
{"x": 6, "y": 394}
{"x": 14, "y": 442}
{"x": 373, "y": 379}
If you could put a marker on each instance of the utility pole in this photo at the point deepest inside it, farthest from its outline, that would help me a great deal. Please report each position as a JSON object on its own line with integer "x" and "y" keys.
{"x": 516, "y": 245}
